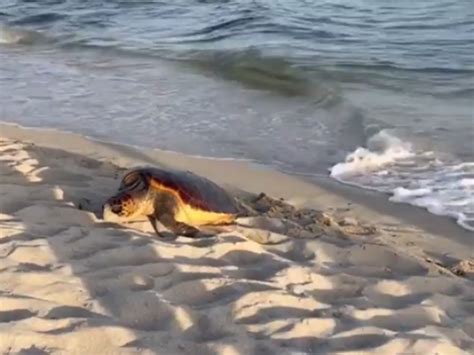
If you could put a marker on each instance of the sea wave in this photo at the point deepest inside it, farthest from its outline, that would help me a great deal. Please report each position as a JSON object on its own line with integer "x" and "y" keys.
{"x": 382, "y": 149}
{"x": 391, "y": 165}
{"x": 17, "y": 35}
{"x": 254, "y": 69}
{"x": 37, "y": 19}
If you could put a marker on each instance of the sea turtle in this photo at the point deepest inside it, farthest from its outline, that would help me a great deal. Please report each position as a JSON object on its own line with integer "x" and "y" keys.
{"x": 181, "y": 200}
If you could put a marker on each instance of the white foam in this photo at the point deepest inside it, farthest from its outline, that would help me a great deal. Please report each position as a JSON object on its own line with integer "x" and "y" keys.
{"x": 382, "y": 149}
{"x": 418, "y": 197}
{"x": 401, "y": 194}
{"x": 435, "y": 204}
{"x": 418, "y": 178}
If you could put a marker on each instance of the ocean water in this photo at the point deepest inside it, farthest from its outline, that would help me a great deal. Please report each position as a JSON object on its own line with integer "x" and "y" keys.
{"x": 373, "y": 93}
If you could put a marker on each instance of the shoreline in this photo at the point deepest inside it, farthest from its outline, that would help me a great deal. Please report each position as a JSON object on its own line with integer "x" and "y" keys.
{"x": 325, "y": 270}
{"x": 439, "y": 234}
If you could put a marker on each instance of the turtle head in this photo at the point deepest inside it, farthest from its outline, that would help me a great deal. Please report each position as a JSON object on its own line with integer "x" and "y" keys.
{"x": 132, "y": 201}
{"x": 121, "y": 207}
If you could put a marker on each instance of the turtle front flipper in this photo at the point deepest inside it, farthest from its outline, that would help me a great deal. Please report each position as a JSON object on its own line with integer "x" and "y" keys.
{"x": 178, "y": 228}
{"x": 152, "y": 220}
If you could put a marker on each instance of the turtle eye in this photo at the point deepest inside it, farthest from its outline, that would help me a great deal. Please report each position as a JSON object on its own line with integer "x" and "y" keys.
{"x": 116, "y": 205}
{"x": 116, "y": 208}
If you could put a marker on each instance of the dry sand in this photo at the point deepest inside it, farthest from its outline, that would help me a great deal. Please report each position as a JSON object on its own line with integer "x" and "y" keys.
{"x": 365, "y": 276}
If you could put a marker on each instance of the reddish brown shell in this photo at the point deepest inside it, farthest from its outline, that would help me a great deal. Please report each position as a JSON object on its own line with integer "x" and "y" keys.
{"x": 193, "y": 189}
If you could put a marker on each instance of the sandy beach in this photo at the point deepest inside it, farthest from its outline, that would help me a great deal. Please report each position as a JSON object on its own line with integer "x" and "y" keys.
{"x": 319, "y": 269}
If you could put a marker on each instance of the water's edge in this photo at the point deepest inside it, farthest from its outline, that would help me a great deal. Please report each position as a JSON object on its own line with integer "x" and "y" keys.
{"x": 348, "y": 195}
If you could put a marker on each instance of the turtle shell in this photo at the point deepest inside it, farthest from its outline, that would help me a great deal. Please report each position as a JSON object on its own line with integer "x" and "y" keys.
{"x": 194, "y": 190}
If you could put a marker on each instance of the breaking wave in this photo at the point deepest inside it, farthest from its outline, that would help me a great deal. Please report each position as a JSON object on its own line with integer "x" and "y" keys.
{"x": 390, "y": 165}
